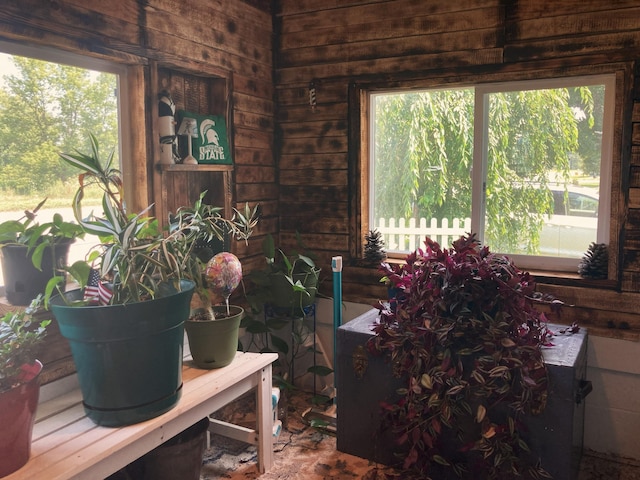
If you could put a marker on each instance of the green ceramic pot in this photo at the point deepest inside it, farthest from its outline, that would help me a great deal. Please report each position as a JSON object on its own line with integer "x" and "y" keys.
{"x": 128, "y": 357}
{"x": 214, "y": 343}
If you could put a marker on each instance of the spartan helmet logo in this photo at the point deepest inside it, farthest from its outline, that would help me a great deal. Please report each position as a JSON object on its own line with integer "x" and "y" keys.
{"x": 208, "y": 134}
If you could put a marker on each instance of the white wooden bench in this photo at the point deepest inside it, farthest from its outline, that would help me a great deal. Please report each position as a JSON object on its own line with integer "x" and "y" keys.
{"x": 66, "y": 444}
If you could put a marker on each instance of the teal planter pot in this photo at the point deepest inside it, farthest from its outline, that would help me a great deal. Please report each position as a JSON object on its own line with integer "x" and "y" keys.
{"x": 128, "y": 357}
{"x": 214, "y": 343}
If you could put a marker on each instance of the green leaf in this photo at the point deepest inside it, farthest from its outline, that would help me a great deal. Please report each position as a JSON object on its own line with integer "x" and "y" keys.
{"x": 50, "y": 287}
{"x": 279, "y": 344}
{"x": 320, "y": 370}
{"x": 36, "y": 255}
{"x": 269, "y": 249}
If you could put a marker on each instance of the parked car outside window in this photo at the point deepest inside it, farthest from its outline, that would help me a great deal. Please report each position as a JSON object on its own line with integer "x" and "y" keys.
{"x": 574, "y": 223}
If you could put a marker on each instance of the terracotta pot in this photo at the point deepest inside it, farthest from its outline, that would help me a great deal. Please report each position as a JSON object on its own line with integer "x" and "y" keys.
{"x": 17, "y": 415}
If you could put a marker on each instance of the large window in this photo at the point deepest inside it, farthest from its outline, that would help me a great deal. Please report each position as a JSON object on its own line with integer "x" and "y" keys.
{"x": 51, "y": 101}
{"x": 524, "y": 165}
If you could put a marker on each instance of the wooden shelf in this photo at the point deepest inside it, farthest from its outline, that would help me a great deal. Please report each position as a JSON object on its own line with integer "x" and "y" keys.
{"x": 67, "y": 445}
{"x": 201, "y": 167}
{"x": 178, "y": 185}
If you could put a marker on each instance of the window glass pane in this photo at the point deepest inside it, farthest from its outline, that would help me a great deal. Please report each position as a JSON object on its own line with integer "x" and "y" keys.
{"x": 543, "y": 171}
{"x": 539, "y": 151}
{"x": 422, "y": 150}
{"x": 48, "y": 108}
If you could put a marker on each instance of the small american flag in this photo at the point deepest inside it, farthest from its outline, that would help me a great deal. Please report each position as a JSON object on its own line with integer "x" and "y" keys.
{"x": 96, "y": 292}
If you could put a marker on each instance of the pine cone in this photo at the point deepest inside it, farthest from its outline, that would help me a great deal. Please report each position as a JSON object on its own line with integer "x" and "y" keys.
{"x": 374, "y": 248}
{"x": 595, "y": 262}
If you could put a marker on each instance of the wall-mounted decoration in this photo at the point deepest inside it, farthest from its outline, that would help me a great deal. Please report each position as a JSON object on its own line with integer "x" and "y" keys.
{"x": 189, "y": 129}
{"x": 211, "y": 144}
{"x": 167, "y": 129}
{"x": 313, "y": 102}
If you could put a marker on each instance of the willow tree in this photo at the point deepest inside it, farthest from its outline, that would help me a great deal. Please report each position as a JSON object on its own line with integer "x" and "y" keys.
{"x": 424, "y": 147}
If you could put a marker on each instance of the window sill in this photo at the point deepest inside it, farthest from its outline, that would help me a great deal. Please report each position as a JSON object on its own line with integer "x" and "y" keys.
{"x": 571, "y": 280}
{"x": 550, "y": 277}
{"x": 588, "y": 301}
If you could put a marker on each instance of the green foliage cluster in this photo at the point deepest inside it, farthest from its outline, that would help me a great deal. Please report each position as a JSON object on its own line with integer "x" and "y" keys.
{"x": 134, "y": 254}
{"x": 38, "y": 236}
{"x": 46, "y": 108}
{"x": 280, "y": 298}
{"x": 464, "y": 335}
{"x": 20, "y": 336}
{"x": 424, "y": 155}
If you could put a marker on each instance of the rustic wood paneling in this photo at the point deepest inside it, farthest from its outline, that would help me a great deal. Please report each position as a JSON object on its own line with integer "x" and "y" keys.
{"x": 583, "y": 21}
{"x": 335, "y": 44}
{"x": 304, "y": 180}
{"x": 332, "y": 161}
{"x": 214, "y": 57}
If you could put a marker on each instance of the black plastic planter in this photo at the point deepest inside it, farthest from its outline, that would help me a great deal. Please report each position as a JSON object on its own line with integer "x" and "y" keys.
{"x": 23, "y": 281}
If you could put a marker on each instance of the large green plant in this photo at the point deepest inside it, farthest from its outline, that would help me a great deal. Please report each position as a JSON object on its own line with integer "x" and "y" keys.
{"x": 134, "y": 255}
{"x": 294, "y": 276}
{"x": 465, "y": 335}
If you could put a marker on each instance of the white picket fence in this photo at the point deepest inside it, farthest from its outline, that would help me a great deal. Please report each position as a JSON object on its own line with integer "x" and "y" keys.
{"x": 406, "y": 236}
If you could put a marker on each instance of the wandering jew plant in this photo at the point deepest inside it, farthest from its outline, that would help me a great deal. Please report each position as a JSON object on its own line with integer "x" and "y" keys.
{"x": 464, "y": 332}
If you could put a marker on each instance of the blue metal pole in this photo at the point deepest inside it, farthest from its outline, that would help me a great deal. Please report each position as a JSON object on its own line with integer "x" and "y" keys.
{"x": 336, "y": 267}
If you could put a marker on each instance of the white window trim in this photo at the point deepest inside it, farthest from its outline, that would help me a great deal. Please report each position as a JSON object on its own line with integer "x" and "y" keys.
{"x": 478, "y": 173}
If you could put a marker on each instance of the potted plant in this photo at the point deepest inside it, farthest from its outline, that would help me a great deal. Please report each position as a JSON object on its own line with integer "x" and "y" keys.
{"x": 289, "y": 282}
{"x": 33, "y": 252}
{"x": 20, "y": 336}
{"x": 280, "y": 296}
{"x": 126, "y": 323}
{"x": 465, "y": 337}
{"x": 212, "y": 331}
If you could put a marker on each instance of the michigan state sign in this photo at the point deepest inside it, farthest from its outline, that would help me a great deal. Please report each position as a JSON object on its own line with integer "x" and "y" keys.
{"x": 210, "y": 145}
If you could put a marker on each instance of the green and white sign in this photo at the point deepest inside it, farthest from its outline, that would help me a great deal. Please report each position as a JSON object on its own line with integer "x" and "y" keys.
{"x": 209, "y": 137}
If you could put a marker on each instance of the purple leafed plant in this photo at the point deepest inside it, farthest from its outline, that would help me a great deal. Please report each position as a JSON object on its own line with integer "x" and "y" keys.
{"x": 464, "y": 332}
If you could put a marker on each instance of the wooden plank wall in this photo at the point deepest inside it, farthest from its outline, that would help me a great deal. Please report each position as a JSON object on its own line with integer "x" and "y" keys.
{"x": 335, "y": 43}
{"x": 294, "y": 160}
{"x": 230, "y": 38}
{"x": 214, "y": 38}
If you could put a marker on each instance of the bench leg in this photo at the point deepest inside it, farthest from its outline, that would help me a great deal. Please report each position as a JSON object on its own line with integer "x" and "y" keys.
{"x": 264, "y": 420}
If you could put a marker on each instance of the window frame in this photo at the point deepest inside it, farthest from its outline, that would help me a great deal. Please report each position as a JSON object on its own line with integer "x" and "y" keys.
{"x": 359, "y": 146}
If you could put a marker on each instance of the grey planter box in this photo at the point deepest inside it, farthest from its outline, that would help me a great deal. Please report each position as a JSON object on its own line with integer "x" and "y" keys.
{"x": 364, "y": 381}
